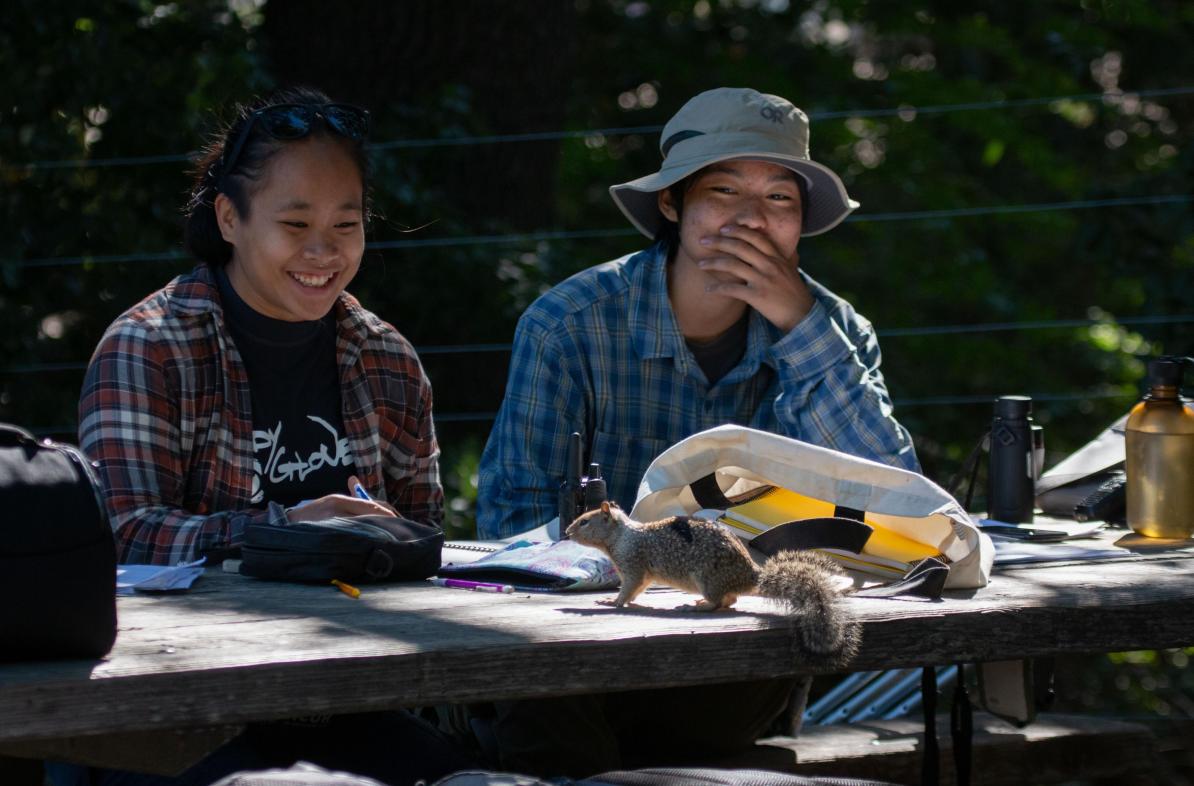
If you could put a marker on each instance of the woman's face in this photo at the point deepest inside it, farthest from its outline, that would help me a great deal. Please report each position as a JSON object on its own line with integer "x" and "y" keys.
{"x": 304, "y": 235}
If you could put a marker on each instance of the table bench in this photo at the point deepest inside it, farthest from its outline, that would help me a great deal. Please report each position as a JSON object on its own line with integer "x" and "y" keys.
{"x": 235, "y": 650}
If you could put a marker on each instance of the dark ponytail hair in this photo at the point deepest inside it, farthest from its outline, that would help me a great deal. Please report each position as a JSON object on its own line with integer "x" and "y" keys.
{"x": 201, "y": 234}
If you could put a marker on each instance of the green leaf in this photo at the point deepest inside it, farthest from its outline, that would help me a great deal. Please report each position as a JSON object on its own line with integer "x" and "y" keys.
{"x": 993, "y": 152}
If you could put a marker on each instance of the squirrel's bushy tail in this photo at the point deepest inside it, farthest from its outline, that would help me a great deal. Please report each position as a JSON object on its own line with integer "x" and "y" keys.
{"x": 803, "y": 581}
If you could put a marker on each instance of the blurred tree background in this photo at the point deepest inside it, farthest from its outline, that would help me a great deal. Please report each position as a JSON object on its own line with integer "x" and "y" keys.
{"x": 1023, "y": 170}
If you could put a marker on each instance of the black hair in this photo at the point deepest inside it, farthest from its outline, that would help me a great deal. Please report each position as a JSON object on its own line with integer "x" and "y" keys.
{"x": 201, "y": 234}
{"x": 668, "y": 233}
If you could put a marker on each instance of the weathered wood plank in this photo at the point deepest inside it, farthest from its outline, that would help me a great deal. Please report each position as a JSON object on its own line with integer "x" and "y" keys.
{"x": 164, "y": 752}
{"x": 235, "y": 649}
{"x": 1055, "y": 748}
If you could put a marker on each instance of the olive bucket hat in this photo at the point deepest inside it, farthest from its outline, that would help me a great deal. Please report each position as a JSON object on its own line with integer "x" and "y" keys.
{"x": 735, "y": 123}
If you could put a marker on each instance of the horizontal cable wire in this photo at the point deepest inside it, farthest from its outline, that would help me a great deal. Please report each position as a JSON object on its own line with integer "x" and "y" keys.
{"x": 428, "y": 351}
{"x": 1040, "y": 324}
{"x": 930, "y": 330}
{"x": 383, "y": 245}
{"x": 98, "y": 163}
{"x": 482, "y": 240}
{"x": 949, "y": 401}
{"x": 465, "y": 417}
{"x": 536, "y": 136}
{"x": 42, "y": 368}
{"x": 540, "y": 136}
{"x": 1039, "y": 207}
{"x": 589, "y": 234}
{"x": 460, "y": 349}
{"x": 1012, "y": 103}
{"x": 101, "y": 259}
{"x": 931, "y": 401}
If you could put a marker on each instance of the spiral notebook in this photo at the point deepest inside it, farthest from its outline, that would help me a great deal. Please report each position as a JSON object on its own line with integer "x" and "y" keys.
{"x": 554, "y": 566}
{"x": 462, "y": 552}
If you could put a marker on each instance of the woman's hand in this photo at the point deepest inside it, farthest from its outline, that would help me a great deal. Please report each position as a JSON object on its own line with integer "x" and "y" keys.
{"x": 339, "y": 505}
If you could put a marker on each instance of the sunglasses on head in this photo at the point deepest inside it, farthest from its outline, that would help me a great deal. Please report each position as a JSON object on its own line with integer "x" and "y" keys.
{"x": 295, "y": 121}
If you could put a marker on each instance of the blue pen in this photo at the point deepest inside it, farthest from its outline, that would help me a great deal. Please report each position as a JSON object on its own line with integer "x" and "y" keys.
{"x": 359, "y": 490}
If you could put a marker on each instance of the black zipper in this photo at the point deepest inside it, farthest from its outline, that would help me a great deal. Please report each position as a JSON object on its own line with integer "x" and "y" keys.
{"x": 356, "y": 526}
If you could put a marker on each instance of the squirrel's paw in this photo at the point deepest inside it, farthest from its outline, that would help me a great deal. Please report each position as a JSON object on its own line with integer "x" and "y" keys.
{"x": 617, "y": 604}
{"x": 702, "y": 605}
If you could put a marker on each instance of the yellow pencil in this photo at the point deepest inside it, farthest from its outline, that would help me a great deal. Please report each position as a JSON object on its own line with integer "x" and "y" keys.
{"x": 347, "y": 589}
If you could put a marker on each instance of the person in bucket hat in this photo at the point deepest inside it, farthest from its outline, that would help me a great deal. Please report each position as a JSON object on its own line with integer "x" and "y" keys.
{"x": 728, "y": 124}
{"x": 713, "y": 323}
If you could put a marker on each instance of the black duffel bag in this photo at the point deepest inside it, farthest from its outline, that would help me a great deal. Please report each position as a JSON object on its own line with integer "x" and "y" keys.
{"x": 57, "y": 554}
{"x": 349, "y": 548}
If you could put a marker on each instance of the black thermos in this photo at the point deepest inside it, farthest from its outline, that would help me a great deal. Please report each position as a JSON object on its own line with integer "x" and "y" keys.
{"x": 1010, "y": 481}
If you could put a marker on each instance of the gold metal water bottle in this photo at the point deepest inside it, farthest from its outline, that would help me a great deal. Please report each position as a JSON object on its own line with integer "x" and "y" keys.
{"x": 1160, "y": 455}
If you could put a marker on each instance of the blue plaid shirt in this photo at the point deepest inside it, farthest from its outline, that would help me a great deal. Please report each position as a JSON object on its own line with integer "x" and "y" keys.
{"x": 602, "y": 354}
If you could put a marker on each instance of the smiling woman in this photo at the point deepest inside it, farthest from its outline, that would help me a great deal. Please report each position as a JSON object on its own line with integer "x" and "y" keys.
{"x": 256, "y": 382}
{"x": 255, "y": 389}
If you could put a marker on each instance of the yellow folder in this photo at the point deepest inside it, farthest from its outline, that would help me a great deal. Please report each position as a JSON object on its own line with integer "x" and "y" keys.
{"x": 775, "y": 506}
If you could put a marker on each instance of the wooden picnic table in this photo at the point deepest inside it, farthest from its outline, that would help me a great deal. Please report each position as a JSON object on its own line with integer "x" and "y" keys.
{"x": 235, "y": 649}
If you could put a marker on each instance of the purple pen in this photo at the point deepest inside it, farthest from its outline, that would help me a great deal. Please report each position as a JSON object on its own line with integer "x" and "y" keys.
{"x": 478, "y": 586}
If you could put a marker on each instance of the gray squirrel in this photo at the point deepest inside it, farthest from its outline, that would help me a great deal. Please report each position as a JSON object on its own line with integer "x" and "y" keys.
{"x": 699, "y": 556}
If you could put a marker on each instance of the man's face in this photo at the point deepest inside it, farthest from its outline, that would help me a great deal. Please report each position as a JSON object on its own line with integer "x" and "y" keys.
{"x": 757, "y": 196}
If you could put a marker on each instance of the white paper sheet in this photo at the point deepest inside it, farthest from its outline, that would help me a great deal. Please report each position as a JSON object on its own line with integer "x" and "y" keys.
{"x": 157, "y": 578}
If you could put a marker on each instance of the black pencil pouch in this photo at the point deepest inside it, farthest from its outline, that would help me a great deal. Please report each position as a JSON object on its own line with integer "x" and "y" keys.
{"x": 357, "y": 549}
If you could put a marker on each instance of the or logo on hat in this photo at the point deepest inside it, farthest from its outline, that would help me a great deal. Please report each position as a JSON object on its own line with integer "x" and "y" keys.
{"x": 774, "y": 114}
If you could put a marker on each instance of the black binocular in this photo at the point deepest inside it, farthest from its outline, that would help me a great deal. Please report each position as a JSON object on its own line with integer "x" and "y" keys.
{"x": 1017, "y": 448}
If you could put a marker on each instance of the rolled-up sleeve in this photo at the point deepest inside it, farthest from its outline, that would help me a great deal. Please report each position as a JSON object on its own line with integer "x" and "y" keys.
{"x": 832, "y": 393}
{"x": 130, "y": 415}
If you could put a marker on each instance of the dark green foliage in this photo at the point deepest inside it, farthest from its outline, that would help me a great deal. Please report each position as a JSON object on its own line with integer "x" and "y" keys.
{"x": 96, "y": 79}
{"x": 1071, "y": 264}
{"x": 164, "y": 74}
{"x": 113, "y": 78}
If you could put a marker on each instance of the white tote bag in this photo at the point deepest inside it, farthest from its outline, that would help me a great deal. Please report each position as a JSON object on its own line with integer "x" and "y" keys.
{"x": 730, "y": 461}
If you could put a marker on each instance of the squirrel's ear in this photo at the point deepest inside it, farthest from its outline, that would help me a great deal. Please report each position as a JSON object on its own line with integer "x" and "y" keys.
{"x": 604, "y": 507}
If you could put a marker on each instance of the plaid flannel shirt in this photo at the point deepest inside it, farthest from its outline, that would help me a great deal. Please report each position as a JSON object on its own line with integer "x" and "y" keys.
{"x": 165, "y": 413}
{"x": 601, "y": 354}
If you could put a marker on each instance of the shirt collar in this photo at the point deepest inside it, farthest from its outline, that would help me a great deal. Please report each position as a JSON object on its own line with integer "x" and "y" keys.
{"x": 653, "y": 326}
{"x": 199, "y": 293}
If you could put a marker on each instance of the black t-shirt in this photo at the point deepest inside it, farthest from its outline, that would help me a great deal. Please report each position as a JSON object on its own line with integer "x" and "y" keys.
{"x": 719, "y": 356}
{"x": 299, "y": 445}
